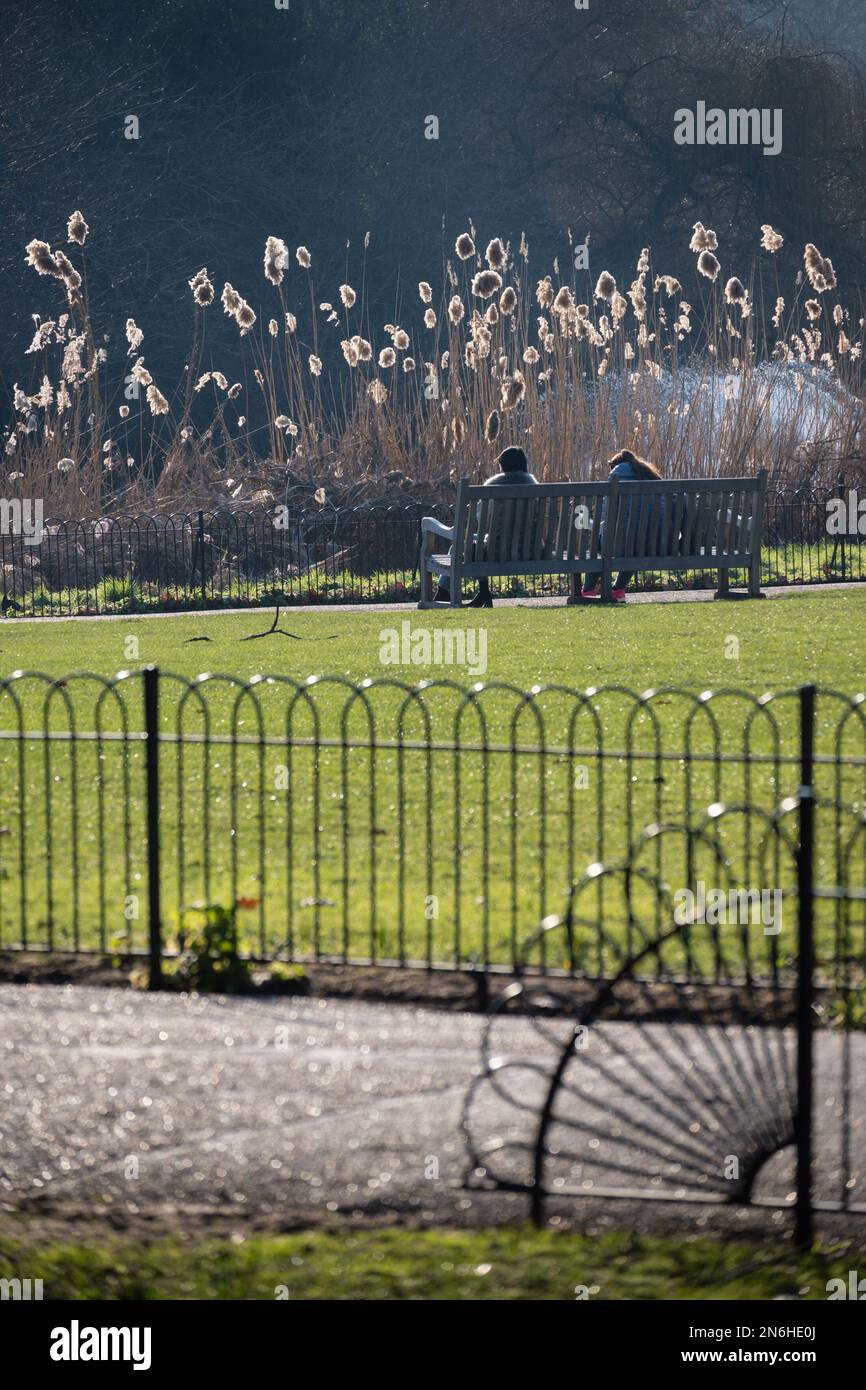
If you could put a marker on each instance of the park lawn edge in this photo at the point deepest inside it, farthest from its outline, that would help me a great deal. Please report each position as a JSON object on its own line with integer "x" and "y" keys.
{"x": 511, "y": 1262}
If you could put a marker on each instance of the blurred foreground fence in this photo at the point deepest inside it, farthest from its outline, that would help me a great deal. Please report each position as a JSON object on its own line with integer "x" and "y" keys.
{"x": 364, "y": 554}
{"x": 677, "y": 880}
{"x": 434, "y": 825}
{"x": 652, "y": 1087}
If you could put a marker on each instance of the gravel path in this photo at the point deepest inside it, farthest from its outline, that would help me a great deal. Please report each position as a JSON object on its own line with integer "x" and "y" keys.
{"x": 302, "y": 1110}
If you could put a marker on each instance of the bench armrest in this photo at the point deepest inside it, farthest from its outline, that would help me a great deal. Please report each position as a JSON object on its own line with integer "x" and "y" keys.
{"x": 430, "y": 526}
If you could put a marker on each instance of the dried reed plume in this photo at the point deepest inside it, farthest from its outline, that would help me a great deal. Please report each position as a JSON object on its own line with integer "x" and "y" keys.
{"x": 819, "y": 269}
{"x": 276, "y": 259}
{"x": 76, "y": 229}
{"x": 606, "y": 286}
{"x": 513, "y": 390}
{"x": 672, "y": 287}
{"x": 377, "y": 392}
{"x": 703, "y": 239}
{"x": 156, "y": 400}
{"x": 230, "y": 299}
{"x": 202, "y": 289}
{"x": 486, "y": 283}
{"x": 244, "y": 318}
{"x": 496, "y": 255}
{"x": 464, "y": 246}
{"x": 708, "y": 265}
{"x": 40, "y": 257}
{"x": 68, "y": 274}
{"x": 735, "y": 291}
{"x": 134, "y": 336}
{"x": 771, "y": 240}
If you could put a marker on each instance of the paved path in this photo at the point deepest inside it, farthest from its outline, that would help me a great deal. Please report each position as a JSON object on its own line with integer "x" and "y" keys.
{"x": 299, "y": 1110}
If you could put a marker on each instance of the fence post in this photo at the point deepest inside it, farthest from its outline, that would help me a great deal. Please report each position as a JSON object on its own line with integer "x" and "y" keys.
{"x": 201, "y": 557}
{"x": 841, "y": 482}
{"x": 151, "y": 726}
{"x": 806, "y": 966}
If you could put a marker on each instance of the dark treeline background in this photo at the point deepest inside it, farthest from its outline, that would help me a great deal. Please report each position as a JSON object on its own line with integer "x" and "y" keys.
{"x": 308, "y": 123}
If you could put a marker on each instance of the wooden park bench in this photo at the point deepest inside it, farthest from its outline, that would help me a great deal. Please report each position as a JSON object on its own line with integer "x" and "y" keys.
{"x": 597, "y": 529}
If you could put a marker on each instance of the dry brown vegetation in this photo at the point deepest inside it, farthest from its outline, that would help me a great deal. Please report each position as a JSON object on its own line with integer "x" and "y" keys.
{"x": 692, "y": 371}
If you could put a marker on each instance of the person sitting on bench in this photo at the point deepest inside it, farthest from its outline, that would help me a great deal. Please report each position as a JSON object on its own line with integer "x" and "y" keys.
{"x": 513, "y": 470}
{"x": 630, "y": 469}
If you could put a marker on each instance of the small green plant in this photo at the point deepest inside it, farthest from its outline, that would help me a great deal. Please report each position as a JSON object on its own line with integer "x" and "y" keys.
{"x": 209, "y": 959}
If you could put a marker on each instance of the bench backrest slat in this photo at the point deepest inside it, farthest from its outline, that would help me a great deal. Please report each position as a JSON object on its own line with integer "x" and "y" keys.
{"x": 549, "y": 525}
{"x": 744, "y": 511}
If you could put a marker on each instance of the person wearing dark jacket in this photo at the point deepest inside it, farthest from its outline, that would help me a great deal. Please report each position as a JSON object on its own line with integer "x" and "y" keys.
{"x": 629, "y": 469}
{"x": 513, "y": 471}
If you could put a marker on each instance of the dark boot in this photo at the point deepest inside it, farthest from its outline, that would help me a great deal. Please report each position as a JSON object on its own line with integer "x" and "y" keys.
{"x": 441, "y": 595}
{"x": 483, "y": 598}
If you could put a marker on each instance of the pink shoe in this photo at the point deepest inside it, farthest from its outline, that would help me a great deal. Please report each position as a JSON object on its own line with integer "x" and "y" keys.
{"x": 618, "y": 595}
{"x": 591, "y": 590}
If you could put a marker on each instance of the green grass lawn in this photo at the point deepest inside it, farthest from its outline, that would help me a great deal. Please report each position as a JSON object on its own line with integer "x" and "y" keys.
{"x": 409, "y": 851}
{"x": 507, "y": 1263}
{"x": 782, "y": 642}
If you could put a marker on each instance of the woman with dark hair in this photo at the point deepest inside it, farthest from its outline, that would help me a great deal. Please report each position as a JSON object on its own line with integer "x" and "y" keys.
{"x": 627, "y": 465}
{"x": 629, "y": 468}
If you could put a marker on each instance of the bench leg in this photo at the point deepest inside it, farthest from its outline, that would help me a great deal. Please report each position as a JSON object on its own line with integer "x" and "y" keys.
{"x": 575, "y": 590}
{"x": 456, "y": 591}
{"x": 426, "y": 598}
{"x": 606, "y": 585}
{"x": 724, "y": 592}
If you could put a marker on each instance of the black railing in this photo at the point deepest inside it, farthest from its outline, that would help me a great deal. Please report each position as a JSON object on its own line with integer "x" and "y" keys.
{"x": 652, "y": 1085}
{"x": 359, "y": 555}
{"x": 699, "y": 1090}
{"x": 676, "y": 881}
{"x": 430, "y": 825}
